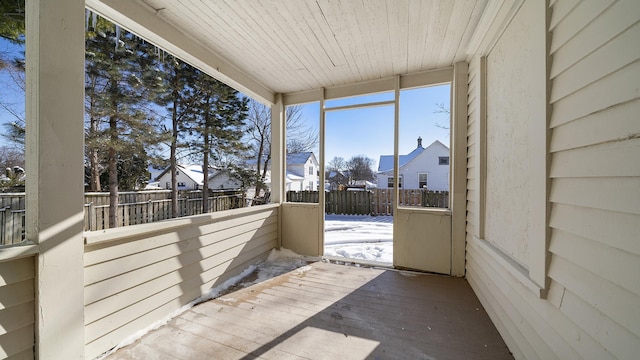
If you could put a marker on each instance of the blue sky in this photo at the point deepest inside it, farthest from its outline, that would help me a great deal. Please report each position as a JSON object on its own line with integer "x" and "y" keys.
{"x": 369, "y": 131}
{"x": 10, "y": 94}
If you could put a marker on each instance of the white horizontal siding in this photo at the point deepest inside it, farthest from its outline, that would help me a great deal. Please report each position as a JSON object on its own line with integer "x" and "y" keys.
{"x": 17, "y": 308}
{"x": 131, "y": 283}
{"x": 473, "y": 141}
{"x": 595, "y": 173}
{"x": 590, "y": 310}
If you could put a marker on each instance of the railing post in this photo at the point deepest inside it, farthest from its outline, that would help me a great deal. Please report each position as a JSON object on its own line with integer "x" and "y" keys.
{"x": 149, "y": 211}
{"x": 92, "y": 213}
{"x": 6, "y": 233}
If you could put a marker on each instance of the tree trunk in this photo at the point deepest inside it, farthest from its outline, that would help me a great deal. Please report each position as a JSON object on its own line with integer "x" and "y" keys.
{"x": 205, "y": 168}
{"x": 113, "y": 173}
{"x": 173, "y": 165}
{"x": 94, "y": 163}
{"x": 264, "y": 172}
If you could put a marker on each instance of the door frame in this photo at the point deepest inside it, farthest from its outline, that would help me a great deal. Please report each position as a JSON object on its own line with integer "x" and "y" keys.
{"x": 457, "y": 76}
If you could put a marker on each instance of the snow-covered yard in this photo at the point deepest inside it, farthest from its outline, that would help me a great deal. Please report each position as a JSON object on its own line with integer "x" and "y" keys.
{"x": 359, "y": 237}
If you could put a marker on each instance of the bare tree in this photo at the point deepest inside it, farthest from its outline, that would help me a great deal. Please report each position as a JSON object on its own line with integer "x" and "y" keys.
{"x": 300, "y": 136}
{"x": 359, "y": 168}
{"x": 441, "y": 109}
{"x": 336, "y": 164}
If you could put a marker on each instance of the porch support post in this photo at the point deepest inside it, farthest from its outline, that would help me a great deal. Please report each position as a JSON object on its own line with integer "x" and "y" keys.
{"x": 278, "y": 158}
{"x": 458, "y": 191}
{"x": 277, "y": 150}
{"x": 54, "y": 158}
{"x": 322, "y": 200}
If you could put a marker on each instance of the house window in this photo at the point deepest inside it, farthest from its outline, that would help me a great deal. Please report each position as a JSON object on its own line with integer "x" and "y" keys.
{"x": 443, "y": 160}
{"x": 422, "y": 181}
{"x": 181, "y": 184}
{"x": 311, "y": 170}
{"x": 390, "y": 182}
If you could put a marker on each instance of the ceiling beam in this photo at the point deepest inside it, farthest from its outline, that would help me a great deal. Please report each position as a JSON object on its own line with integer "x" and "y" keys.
{"x": 407, "y": 81}
{"x": 147, "y": 23}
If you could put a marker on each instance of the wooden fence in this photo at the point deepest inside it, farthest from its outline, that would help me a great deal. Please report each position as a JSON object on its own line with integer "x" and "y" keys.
{"x": 11, "y": 226}
{"x": 133, "y": 208}
{"x": 96, "y": 217}
{"x": 372, "y": 202}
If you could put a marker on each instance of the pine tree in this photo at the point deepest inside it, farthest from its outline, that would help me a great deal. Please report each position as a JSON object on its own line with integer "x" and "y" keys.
{"x": 12, "y": 15}
{"x": 217, "y": 122}
{"x": 177, "y": 96}
{"x": 123, "y": 65}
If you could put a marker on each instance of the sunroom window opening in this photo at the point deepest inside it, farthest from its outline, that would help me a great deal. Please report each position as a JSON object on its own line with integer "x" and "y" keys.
{"x": 302, "y": 180}
{"x": 162, "y": 139}
{"x": 423, "y": 148}
{"x": 358, "y": 215}
{"x": 12, "y": 118}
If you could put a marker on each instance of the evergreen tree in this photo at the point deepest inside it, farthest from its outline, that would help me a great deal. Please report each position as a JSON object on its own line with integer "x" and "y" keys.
{"x": 217, "y": 121}
{"x": 12, "y": 23}
{"x": 123, "y": 66}
{"x": 178, "y": 97}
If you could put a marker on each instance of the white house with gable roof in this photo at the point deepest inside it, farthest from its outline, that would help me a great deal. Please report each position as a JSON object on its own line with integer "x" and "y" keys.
{"x": 189, "y": 177}
{"x": 303, "y": 172}
{"x": 304, "y": 169}
{"x": 422, "y": 168}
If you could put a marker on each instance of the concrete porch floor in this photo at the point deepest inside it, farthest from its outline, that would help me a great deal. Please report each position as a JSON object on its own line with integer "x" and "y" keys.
{"x": 329, "y": 311}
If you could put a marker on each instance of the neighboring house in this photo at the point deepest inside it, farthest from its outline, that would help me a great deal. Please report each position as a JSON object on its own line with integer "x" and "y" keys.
{"x": 422, "y": 168}
{"x": 303, "y": 172}
{"x": 334, "y": 179}
{"x": 189, "y": 177}
{"x": 305, "y": 167}
{"x": 222, "y": 179}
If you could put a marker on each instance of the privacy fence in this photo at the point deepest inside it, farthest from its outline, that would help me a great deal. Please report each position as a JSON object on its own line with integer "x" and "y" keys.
{"x": 372, "y": 202}
{"x": 134, "y": 207}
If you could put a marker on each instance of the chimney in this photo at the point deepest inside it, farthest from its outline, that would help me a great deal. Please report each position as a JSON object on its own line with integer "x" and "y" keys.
{"x": 419, "y": 142}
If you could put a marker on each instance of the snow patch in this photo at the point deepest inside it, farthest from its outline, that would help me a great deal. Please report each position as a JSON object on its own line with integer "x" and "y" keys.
{"x": 280, "y": 262}
{"x": 359, "y": 237}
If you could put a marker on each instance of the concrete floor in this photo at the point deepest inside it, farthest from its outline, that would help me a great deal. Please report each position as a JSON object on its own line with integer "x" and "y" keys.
{"x": 329, "y": 311}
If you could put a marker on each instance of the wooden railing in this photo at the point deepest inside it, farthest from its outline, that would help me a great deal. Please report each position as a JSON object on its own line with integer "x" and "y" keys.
{"x": 96, "y": 217}
{"x": 372, "y": 202}
{"x": 134, "y": 208}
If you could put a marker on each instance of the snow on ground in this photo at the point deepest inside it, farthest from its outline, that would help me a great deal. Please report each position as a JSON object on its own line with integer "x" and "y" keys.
{"x": 359, "y": 237}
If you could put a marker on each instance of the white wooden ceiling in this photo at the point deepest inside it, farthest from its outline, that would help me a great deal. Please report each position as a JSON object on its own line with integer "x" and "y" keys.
{"x": 288, "y": 46}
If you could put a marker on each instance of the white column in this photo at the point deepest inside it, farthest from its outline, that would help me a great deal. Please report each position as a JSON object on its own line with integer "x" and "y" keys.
{"x": 55, "y": 183}
{"x": 321, "y": 193}
{"x": 278, "y": 159}
{"x": 458, "y": 167}
{"x": 277, "y": 150}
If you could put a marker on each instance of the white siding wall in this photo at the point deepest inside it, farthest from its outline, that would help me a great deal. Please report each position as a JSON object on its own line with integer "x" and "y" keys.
{"x": 17, "y": 308}
{"x": 223, "y": 181}
{"x": 133, "y": 281}
{"x": 427, "y": 162}
{"x": 165, "y": 181}
{"x": 591, "y": 307}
